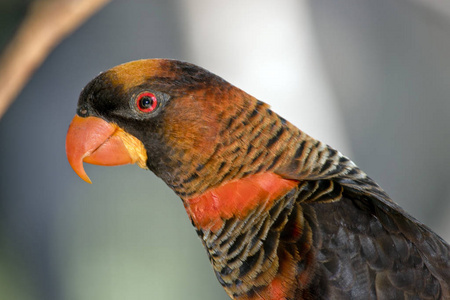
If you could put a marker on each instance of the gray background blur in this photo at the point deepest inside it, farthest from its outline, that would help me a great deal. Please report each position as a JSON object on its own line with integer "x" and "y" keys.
{"x": 371, "y": 78}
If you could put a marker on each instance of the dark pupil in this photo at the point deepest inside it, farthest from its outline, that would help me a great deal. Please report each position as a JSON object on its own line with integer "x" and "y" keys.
{"x": 146, "y": 102}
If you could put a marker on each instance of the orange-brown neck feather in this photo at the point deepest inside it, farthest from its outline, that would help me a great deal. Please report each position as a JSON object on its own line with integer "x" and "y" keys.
{"x": 232, "y": 137}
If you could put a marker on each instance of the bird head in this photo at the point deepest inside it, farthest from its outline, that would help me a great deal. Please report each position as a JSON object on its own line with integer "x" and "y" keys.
{"x": 174, "y": 118}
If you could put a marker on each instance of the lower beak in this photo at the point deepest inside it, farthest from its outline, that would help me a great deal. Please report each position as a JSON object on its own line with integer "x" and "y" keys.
{"x": 93, "y": 140}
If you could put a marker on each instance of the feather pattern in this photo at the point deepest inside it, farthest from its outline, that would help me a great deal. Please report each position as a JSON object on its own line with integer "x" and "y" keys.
{"x": 281, "y": 214}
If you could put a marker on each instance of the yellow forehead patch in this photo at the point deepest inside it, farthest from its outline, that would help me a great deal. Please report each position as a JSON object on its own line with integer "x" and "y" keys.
{"x": 137, "y": 72}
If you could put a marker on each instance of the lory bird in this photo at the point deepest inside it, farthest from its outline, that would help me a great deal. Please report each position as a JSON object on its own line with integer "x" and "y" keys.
{"x": 281, "y": 215}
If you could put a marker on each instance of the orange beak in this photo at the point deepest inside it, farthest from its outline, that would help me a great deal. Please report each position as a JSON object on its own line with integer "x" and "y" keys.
{"x": 93, "y": 140}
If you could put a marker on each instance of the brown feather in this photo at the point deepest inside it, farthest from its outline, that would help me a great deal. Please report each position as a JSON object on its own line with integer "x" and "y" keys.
{"x": 282, "y": 215}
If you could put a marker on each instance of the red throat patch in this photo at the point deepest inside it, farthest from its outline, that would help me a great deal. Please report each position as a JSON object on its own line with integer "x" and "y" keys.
{"x": 236, "y": 199}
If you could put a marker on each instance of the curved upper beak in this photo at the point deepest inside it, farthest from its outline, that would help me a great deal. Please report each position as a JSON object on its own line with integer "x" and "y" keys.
{"x": 93, "y": 140}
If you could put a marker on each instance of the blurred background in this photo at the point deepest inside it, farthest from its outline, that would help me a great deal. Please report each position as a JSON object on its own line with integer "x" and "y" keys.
{"x": 370, "y": 78}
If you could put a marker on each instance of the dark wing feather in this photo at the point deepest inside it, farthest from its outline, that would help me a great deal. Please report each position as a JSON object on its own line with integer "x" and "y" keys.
{"x": 370, "y": 249}
{"x": 365, "y": 245}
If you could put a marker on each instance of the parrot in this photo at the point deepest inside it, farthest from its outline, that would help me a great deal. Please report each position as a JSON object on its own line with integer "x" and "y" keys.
{"x": 280, "y": 214}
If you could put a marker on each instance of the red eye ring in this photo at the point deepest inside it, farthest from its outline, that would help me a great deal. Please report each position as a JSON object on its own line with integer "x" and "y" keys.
{"x": 146, "y": 102}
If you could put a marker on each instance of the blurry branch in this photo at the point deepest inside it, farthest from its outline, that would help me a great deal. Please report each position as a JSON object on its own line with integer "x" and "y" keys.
{"x": 45, "y": 25}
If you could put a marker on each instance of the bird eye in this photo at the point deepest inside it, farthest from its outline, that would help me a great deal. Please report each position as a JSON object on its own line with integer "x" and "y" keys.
{"x": 146, "y": 102}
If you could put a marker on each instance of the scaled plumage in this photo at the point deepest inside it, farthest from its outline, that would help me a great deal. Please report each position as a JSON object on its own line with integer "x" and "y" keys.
{"x": 282, "y": 215}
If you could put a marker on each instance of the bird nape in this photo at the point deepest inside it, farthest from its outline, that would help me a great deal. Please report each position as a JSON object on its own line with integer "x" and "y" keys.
{"x": 281, "y": 215}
